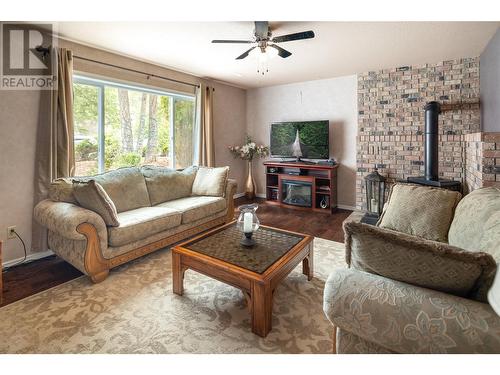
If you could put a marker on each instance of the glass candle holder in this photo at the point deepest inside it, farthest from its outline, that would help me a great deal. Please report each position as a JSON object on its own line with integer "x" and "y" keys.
{"x": 247, "y": 223}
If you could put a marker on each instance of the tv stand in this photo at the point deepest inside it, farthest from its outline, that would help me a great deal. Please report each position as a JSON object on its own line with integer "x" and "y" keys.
{"x": 318, "y": 179}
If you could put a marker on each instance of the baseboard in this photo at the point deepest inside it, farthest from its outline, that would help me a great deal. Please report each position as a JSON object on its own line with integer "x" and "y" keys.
{"x": 29, "y": 258}
{"x": 261, "y": 195}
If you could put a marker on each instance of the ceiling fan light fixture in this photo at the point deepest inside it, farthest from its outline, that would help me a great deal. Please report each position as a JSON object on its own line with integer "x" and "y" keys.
{"x": 268, "y": 54}
{"x": 263, "y": 58}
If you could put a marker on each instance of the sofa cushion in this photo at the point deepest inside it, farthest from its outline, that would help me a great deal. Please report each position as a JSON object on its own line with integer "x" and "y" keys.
{"x": 420, "y": 211}
{"x": 91, "y": 195}
{"x": 210, "y": 181}
{"x": 195, "y": 208}
{"x": 141, "y": 223}
{"x": 166, "y": 184}
{"x": 476, "y": 225}
{"x": 126, "y": 187}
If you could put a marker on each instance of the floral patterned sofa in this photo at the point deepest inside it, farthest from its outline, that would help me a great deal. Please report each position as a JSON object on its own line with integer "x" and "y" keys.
{"x": 154, "y": 207}
{"x": 407, "y": 294}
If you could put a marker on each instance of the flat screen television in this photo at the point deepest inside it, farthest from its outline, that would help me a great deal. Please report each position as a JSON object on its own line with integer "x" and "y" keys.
{"x": 300, "y": 140}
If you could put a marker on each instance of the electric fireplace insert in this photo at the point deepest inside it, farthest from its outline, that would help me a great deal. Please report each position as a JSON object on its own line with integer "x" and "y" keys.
{"x": 296, "y": 193}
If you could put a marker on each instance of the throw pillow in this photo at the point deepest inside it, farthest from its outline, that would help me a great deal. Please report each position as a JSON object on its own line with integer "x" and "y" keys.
{"x": 420, "y": 211}
{"x": 61, "y": 190}
{"x": 476, "y": 224}
{"x": 126, "y": 187}
{"x": 166, "y": 184}
{"x": 210, "y": 181}
{"x": 92, "y": 196}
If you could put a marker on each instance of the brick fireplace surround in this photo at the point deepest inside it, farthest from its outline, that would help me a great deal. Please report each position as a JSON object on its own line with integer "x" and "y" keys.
{"x": 391, "y": 125}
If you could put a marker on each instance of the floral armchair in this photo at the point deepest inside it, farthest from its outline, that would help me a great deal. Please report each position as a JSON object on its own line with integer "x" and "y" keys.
{"x": 406, "y": 294}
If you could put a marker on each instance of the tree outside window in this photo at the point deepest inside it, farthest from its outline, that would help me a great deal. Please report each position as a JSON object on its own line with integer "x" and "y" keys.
{"x": 121, "y": 126}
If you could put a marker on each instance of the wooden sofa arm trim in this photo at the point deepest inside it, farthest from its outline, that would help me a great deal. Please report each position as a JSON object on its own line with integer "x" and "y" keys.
{"x": 230, "y": 200}
{"x": 230, "y": 211}
{"x": 95, "y": 265}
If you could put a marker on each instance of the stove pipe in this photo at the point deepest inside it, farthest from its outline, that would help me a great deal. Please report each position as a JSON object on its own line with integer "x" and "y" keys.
{"x": 432, "y": 111}
{"x": 431, "y": 177}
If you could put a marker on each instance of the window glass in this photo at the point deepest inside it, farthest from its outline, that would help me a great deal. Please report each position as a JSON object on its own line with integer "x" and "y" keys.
{"x": 137, "y": 128}
{"x": 184, "y": 113}
{"x": 86, "y": 118}
{"x": 134, "y": 127}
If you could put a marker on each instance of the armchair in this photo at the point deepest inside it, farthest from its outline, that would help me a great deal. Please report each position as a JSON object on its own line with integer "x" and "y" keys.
{"x": 406, "y": 294}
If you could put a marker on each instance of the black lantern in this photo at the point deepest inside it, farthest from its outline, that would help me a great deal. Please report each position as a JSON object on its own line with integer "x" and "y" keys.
{"x": 375, "y": 197}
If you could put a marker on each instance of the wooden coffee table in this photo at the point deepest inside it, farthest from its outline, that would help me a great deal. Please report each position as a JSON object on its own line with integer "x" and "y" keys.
{"x": 257, "y": 271}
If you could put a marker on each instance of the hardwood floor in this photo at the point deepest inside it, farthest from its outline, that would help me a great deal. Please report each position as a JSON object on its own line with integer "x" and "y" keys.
{"x": 316, "y": 224}
{"x": 37, "y": 276}
{"x": 34, "y": 277}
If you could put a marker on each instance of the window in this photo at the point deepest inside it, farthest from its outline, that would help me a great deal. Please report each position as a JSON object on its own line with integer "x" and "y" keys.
{"x": 119, "y": 125}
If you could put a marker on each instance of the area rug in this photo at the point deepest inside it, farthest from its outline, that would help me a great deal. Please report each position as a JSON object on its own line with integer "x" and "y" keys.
{"x": 135, "y": 311}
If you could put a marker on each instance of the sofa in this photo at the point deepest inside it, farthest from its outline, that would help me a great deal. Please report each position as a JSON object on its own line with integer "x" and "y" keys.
{"x": 155, "y": 207}
{"x": 405, "y": 293}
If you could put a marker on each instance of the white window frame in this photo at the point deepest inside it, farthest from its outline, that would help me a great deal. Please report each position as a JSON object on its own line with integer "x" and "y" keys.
{"x": 101, "y": 84}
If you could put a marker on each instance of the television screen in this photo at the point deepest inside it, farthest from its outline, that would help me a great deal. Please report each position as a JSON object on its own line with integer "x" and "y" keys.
{"x": 306, "y": 140}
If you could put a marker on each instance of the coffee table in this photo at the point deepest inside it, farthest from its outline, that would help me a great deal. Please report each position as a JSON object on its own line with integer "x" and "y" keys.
{"x": 257, "y": 271}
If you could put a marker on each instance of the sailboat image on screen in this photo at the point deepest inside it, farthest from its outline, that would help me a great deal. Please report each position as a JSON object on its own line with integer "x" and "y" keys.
{"x": 298, "y": 148}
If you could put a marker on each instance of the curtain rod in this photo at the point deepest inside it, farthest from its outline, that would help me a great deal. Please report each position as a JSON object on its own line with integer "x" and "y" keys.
{"x": 136, "y": 71}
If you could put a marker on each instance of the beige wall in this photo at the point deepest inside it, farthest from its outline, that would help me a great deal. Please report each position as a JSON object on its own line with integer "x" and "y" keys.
{"x": 18, "y": 124}
{"x": 329, "y": 99}
{"x": 230, "y": 128}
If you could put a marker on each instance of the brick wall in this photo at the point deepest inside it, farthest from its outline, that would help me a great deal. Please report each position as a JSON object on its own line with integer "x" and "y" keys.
{"x": 482, "y": 160}
{"x": 391, "y": 119}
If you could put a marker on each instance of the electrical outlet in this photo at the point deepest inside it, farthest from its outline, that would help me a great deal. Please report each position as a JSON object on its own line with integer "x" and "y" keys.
{"x": 11, "y": 232}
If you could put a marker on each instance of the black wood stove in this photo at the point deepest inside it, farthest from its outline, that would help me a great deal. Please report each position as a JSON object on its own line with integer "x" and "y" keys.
{"x": 431, "y": 164}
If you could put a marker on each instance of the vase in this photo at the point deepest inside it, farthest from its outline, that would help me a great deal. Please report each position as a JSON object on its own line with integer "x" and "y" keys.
{"x": 250, "y": 183}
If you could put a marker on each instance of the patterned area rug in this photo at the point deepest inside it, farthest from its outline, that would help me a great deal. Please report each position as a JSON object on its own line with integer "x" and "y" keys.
{"x": 135, "y": 311}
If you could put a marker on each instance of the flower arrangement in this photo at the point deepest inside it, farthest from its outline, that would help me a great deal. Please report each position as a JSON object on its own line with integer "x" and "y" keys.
{"x": 249, "y": 150}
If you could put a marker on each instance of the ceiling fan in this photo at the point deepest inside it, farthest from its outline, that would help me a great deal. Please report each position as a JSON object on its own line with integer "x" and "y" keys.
{"x": 263, "y": 38}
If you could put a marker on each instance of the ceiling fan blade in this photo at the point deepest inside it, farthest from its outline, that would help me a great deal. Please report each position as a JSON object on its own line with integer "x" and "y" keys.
{"x": 245, "y": 54}
{"x": 281, "y": 52}
{"x": 231, "y": 41}
{"x": 296, "y": 36}
{"x": 261, "y": 29}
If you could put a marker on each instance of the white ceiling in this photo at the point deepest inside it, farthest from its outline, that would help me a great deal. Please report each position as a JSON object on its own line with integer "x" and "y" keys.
{"x": 339, "y": 48}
